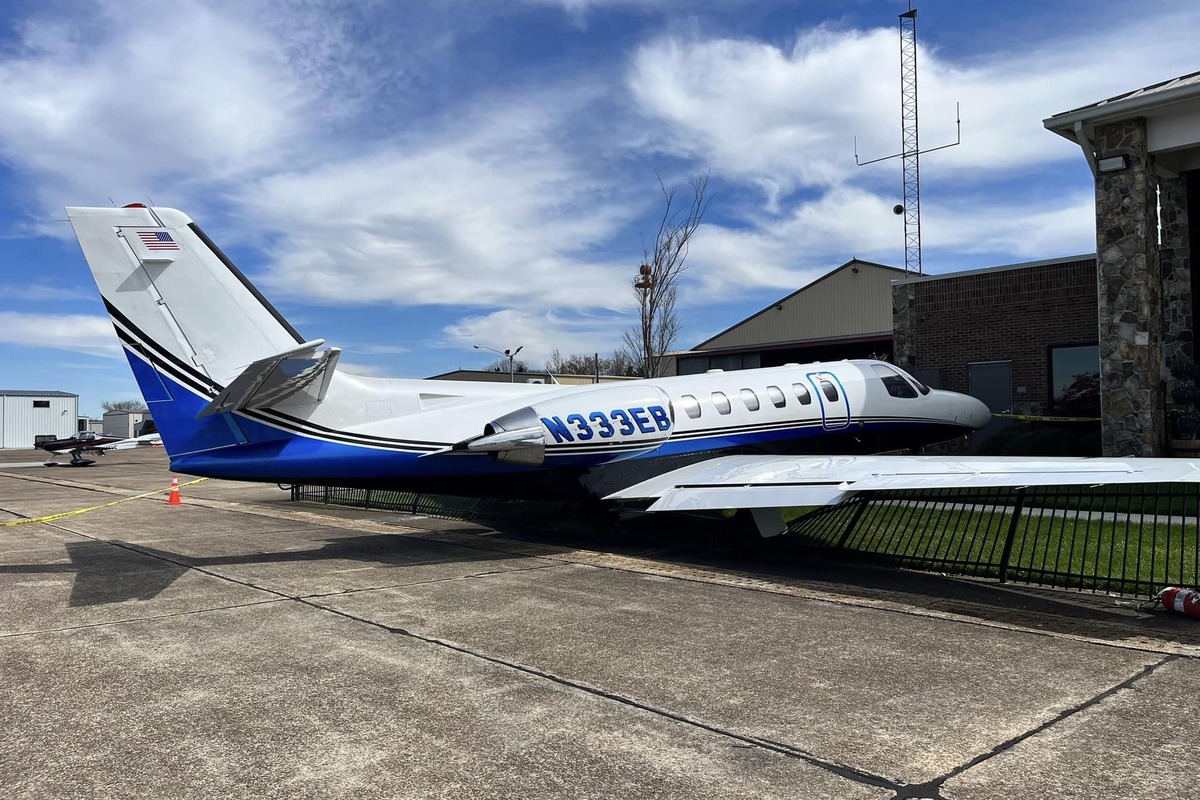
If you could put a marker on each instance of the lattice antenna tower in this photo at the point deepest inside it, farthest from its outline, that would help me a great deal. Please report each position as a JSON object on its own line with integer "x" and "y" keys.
{"x": 910, "y": 152}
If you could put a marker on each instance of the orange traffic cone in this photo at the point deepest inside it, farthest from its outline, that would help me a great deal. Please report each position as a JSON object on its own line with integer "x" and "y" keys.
{"x": 174, "y": 499}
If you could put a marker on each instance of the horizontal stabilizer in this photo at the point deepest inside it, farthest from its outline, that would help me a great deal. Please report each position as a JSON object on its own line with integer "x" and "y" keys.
{"x": 269, "y": 381}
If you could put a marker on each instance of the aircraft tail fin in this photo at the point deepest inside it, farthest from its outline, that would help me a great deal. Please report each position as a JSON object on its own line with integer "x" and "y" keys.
{"x": 200, "y": 337}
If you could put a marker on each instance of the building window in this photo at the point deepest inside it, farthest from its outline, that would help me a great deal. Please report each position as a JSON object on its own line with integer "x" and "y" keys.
{"x": 721, "y": 402}
{"x": 778, "y": 399}
{"x": 41, "y": 403}
{"x": 690, "y": 405}
{"x": 1075, "y": 379}
{"x": 896, "y": 386}
{"x": 750, "y": 399}
{"x": 802, "y": 393}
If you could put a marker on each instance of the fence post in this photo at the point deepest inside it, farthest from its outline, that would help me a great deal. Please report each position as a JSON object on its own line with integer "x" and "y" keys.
{"x": 1012, "y": 534}
{"x": 858, "y": 512}
{"x": 367, "y": 501}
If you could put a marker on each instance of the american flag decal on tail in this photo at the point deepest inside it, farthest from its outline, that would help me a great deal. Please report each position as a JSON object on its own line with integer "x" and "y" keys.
{"x": 157, "y": 240}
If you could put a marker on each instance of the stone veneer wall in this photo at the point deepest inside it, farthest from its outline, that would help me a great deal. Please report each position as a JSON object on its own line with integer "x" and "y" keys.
{"x": 1175, "y": 264}
{"x": 1129, "y": 295}
{"x": 996, "y": 315}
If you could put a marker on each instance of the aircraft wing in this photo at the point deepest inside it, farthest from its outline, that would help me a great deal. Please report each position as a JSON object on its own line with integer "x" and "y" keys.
{"x": 774, "y": 482}
{"x": 146, "y": 440}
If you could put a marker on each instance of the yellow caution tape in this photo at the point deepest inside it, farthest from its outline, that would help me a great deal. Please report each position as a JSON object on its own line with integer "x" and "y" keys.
{"x": 1046, "y": 419}
{"x": 53, "y": 517}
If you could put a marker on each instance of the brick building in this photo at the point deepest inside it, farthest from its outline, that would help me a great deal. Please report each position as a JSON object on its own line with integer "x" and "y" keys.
{"x": 1021, "y": 337}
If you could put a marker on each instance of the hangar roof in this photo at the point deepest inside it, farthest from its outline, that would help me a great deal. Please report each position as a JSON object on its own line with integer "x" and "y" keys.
{"x": 33, "y": 393}
{"x": 853, "y": 300}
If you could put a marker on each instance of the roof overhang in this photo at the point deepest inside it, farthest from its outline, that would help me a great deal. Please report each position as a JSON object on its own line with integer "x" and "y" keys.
{"x": 1172, "y": 113}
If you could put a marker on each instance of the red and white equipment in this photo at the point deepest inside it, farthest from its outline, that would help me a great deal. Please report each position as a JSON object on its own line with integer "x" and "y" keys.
{"x": 1185, "y": 601}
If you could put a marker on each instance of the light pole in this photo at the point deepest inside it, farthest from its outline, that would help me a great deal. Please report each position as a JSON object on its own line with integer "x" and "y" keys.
{"x": 509, "y": 354}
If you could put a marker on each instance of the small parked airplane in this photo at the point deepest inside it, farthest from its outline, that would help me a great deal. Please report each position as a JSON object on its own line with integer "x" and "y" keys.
{"x": 87, "y": 442}
{"x": 77, "y": 447}
{"x": 237, "y": 393}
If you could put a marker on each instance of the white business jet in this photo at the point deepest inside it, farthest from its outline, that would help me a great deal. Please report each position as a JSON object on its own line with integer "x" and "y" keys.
{"x": 237, "y": 393}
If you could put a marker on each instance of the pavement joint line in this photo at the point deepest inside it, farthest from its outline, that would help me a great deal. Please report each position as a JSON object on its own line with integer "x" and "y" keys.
{"x": 901, "y": 789}
{"x": 751, "y": 582}
{"x": 358, "y": 590}
{"x": 842, "y": 770}
{"x": 746, "y": 581}
{"x": 1008, "y": 744}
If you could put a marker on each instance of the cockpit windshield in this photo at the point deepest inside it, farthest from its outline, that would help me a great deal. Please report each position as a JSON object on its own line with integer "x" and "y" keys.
{"x": 894, "y": 381}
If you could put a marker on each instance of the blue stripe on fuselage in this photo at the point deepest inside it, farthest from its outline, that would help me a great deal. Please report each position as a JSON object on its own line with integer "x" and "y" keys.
{"x": 212, "y": 446}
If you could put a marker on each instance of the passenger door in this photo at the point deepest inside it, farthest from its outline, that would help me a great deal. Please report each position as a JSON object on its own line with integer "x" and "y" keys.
{"x": 835, "y": 406}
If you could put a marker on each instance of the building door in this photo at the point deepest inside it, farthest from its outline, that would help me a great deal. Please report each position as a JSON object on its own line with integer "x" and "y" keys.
{"x": 991, "y": 382}
{"x": 835, "y": 406}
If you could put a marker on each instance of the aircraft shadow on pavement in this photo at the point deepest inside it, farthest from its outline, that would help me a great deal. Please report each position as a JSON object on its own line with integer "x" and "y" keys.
{"x": 734, "y": 548}
{"x": 115, "y": 572}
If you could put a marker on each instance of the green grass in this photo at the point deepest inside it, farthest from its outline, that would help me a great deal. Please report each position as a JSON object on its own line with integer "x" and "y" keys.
{"x": 1075, "y": 549}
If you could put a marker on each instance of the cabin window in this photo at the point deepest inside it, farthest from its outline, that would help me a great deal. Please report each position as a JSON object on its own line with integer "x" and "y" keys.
{"x": 778, "y": 399}
{"x": 828, "y": 389}
{"x": 802, "y": 393}
{"x": 750, "y": 399}
{"x": 41, "y": 403}
{"x": 690, "y": 405}
{"x": 892, "y": 381}
{"x": 721, "y": 402}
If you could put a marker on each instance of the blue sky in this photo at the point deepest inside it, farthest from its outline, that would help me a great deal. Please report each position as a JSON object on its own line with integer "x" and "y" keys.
{"x": 407, "y": 179}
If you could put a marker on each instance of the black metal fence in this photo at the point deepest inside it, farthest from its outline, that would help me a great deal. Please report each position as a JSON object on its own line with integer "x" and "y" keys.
{"x": 483, "y": 509}
{"x": 1120, "y": 539}
{"x": 1130, "y": 540}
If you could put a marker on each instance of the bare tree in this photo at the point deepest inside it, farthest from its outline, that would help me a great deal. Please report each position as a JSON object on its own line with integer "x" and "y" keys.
{"x": 618, "y": 363}
{"x": 123, "y": 405}
{"x": 657, "y": 282}
{"x": 502, "y": 365}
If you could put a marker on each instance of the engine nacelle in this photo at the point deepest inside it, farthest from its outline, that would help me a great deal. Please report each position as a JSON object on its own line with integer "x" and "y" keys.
{"x": 594, "y": 426}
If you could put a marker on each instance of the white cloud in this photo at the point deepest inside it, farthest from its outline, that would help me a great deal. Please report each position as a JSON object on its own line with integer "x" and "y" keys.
{"x": 76, "y": 332}
{"x": 537, "y": 333}
{"x": 521, "y": 197}
{"x": 1018, "y": 228}
{"x": 785, "y": 117}
{"x": 117, "y": 103}
{"x": 491, "y": 210}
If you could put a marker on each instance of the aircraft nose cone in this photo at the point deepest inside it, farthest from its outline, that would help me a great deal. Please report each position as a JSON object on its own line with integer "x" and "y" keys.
{"x": 975, "y": 412}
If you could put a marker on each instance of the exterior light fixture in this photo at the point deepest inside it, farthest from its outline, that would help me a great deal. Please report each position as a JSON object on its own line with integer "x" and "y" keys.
{"x": 1112, "y": 163}
{"x": 507, "y": 353}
